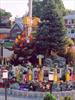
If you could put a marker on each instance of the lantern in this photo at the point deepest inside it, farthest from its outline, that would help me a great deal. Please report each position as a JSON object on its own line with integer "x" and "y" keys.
{"x": 25, "y": 78}
{"x": 55, "y": 75}
{"x": 40, "y": 75}
{"x": 27, "y": 21}
{"x": 68, "y": 75}
{"x": 17, "y": 74}
{"x": 35, "y": 74}
{"x": 30, "y": 74}
{"x": 36, "y": 20}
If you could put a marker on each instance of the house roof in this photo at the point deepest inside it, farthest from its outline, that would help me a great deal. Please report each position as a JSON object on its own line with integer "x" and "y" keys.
{"x": 70, "y": 16}
{"x": 19, "y": 25}
{"x": 18, "y": 21}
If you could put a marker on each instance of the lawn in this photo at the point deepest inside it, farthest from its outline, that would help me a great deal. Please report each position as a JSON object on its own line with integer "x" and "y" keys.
{"x": 9, "y": 44}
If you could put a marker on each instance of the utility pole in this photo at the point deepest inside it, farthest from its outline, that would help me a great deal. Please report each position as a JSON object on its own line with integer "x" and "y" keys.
{"x": 30, "y": 16}
{"x": 1, "y": 52}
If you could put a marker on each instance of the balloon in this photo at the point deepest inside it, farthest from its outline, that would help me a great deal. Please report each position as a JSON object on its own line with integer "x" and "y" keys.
{"x": 16, "y": 41}
{"x": 27, "y": 21}
{"x": 36, "y": 20}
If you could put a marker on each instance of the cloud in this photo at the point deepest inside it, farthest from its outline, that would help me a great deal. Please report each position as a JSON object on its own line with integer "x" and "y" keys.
{"x": 16, "y": 7}
{"x": 69, "y": 4}
{"x": 19, "y": 7}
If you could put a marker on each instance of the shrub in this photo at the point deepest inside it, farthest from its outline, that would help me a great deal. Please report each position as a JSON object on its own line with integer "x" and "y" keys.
{"x": 67, "y": 98}
{"x": 49, "y": 97}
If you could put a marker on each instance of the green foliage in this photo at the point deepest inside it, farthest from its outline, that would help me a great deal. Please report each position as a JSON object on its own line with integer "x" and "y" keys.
{"x": 54, "y": 61}
{"x": 38, "y": 6}
{"x": 51, "y": 31}
{"x": 61, "y": 7}
{"x": 68, "y": 98}
{"x": 49, "y": 97}
{"x": 9, "y": 44}
{"x": 71, "y": 56}
{"x": 4, "y": 13}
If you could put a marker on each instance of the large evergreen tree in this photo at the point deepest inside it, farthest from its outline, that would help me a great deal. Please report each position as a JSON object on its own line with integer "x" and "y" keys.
{"x": 51, "y": 35}
{"x": 61, "y": 7}
{"x": 51, "y": 31}
{"x": 5, "y": 14}
{"x": 38, "y": 6}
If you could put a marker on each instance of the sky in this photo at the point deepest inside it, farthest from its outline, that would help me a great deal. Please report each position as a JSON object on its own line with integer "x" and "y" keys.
{"x": 19, "y": 7}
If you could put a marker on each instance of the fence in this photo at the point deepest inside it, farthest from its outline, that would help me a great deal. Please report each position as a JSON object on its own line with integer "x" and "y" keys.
{"x": 31, "y": 94}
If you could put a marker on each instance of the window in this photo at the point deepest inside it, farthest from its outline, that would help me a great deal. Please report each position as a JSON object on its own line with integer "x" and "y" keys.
{"x": 69, "y": 22}
{"x": 66, "y": 21}
{"x": 72, "y": 31}
{"x": 72, "y": 21}
{"x": 58, "y": 70}
{"x": 68, "y": 31}
{"x": 16, "y": 27}
{"x": 45, "y": 73}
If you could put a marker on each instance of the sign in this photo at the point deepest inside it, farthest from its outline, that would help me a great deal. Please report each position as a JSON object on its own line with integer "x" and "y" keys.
{"x": 5, "y": 74}
{"x": 7, "y": 53}
{"x": 51, "y": 76}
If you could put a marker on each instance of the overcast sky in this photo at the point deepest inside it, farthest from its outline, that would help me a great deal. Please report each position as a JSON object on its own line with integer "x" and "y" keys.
{"x": 19, "y": 7}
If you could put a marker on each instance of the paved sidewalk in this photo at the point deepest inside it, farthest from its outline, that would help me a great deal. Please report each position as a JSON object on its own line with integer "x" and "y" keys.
{"x": 18, "y": 98}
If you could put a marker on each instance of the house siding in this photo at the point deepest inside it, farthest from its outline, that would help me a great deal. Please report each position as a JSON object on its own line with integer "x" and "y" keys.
{"x": 70, "y": 25}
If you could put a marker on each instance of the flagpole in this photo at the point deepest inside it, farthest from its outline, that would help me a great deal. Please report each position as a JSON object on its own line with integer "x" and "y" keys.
{"x": 30, "y": 16}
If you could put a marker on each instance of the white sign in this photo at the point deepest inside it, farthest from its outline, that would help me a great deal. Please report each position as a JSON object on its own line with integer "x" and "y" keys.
{"x": 51, "y": 77}
{"x": 7, "y": 53}
{"x": 40, "y": 56}
{"x": 5, "y": 74}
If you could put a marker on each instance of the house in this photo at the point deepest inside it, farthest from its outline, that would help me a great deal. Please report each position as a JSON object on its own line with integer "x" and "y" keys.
{"x": 17, "y": 28}
{"x": 4, "y": 33}
{"x": 5, "y": 22}
{"x": 70, "y": 25}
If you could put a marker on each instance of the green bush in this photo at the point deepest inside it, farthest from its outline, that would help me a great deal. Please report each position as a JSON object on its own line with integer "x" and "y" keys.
{"x": 68, "y": 98}
{"x": 49, "y": 97}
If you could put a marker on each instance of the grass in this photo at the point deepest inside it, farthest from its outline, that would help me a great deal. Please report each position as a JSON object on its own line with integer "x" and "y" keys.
{"x": 9, "y": 44}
